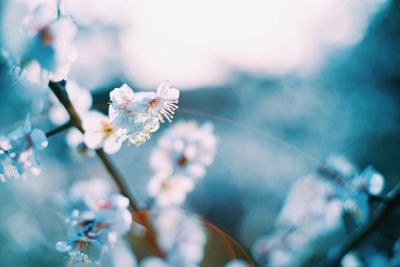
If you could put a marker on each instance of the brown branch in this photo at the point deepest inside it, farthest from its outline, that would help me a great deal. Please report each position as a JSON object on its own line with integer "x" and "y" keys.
{"x": 360, "y": 234}
{"x": 58, "y": 88}
{"x": 122, "y": 186}
{"x": 59, "y": 129}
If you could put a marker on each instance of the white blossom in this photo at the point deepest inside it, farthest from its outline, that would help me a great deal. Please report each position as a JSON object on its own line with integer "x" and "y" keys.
{"x": 370, "y": 181}
{"x": 100, "y": 133}
{"x": 311, "y": 217}
{"x": 140, "y": 114}
{"x": 50, "y": 42}
{"x": 237, "y": 263}
{"x": 96, "y": 219}
{"x": 154, "y": 262}
{"x": 351, "y": 188}
{"x": 161, "y": 103}
{"x": 185, "y": 149}
{"x": 180, "y": 236}
{"x": 169, "y": 190}
{"x": 19, "y": 151}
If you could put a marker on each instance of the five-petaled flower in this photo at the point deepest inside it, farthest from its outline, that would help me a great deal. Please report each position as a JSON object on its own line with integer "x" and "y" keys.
{"x": 140, "y": 114}
{"x": 100, "y": 133}
{"x": 186, "y": 149}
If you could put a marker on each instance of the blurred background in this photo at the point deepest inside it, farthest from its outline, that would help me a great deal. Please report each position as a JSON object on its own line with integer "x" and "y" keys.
{"x": 285, "y": 84}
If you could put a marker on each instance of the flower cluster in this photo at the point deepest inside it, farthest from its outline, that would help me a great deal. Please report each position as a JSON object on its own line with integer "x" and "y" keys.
{"x": 180, "y": 236}
{"x": 180, "y": 159}
{"x": 353, "y": 188}
{"x": 315, "y": 213}
{"x": 373, "y": 258}
{"x": 19, "y": 151}
{"x": 96, "y": 219}
{"x": 133, "y": 117}
{"x": 46, "y": 47}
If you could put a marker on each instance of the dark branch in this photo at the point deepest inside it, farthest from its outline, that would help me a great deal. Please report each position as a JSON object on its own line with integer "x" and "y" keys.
{"x": 58, "y": 88}
{"x": 123, "y": 188}
{"x": 59, "y": 129}
{"x": 360, "y": 234}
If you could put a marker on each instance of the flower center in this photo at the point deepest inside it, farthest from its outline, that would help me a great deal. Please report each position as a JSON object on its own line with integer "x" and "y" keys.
{"x": 107, "y": 129}
{"x": 81, "y": 244}
{"x": 104, "y": 204}
{"x": 28, "y": 139}
{"x": 165, "y": 185}
{"x": 46, "y": 37}
{"x": 182, "y": 161}
{"x": 154, "y": 102}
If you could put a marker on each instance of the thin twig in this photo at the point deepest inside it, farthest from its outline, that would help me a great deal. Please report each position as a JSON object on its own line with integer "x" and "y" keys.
{"x": 59, "y": 129}
{"x": 123, "y": 188}
{"x": 59, "y": 91}
{"x": 360, "y": 234}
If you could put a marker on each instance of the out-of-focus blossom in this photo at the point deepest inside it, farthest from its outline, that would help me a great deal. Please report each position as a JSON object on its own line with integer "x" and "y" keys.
{"x": 169, "y": 191}
{"x": 120, "y": 255}
{"x": 180, "y": 236}
{"x": 89, "y": 190}
{"x": 74, "y": 139}
{"x": 49, "y": 42}
{"x": 19, "y": 151}
{"x": 351, "y": 260}
{"x": 341, "y": 165}
{"x": 140, "y": 113}
{"x": 237, "y": 263}
{"x": 186, "y": 149}
{"x": 314, "y": 213}
{"x": 100, "y": 133}
{"x": 81, "y": 100}
{"x": 310, "y": 217}
{"x": 37, "y": 41}
{"x": 311, "y": 201}
{"x": 154, "y": 262}
{"x": 96, "y": 218}
{"x": 370, "y": 181}
{"x": 279, "y": 249}
{"x": 351, "y": 188}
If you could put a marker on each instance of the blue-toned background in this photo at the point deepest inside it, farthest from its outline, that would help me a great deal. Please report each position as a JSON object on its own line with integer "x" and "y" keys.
{"x": 277, "y": 106}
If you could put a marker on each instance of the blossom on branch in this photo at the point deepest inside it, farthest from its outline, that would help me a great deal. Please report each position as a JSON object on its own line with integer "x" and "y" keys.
{"x": 49, "y": 42}
{"x": 96, "y": 219}
{"x": 19, "y": 152}
{"x": 140, "y": 114}
{"x": 180, "y": 236}
{"x": 169, "y": 191}
{"x": 186, "y": 150}
{"x": 317, "y": 211}
{"x": 100, "y": 133}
